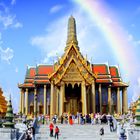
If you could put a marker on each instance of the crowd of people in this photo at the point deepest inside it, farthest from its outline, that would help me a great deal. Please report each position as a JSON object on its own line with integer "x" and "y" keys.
{"x": 71, "y": 119}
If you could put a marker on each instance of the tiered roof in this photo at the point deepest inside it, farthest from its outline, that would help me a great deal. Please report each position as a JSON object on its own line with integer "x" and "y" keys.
{"x": 108, "y": 74}
{"x": 37, "y": 75}
{"x": 104, "y": 74}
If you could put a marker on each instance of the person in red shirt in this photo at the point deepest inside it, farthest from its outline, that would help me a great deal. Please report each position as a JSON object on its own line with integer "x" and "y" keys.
{"x": 51, "y": 129}
{"x": 56, "y": 132}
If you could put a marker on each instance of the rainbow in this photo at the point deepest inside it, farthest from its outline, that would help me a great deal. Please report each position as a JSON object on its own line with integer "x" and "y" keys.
{"x": 116, "y": 37}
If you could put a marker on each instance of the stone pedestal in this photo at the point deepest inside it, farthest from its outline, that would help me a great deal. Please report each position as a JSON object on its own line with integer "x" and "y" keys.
{"x": 133, "y": 133}
{"x": 8, "y": 134}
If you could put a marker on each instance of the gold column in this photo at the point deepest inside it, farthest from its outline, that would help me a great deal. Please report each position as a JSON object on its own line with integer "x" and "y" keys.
{"x": 20, "y": 110}
{"x": 100, "y": 96}
{"x": 88, "y": 101}
{"x": 118, "y": 100}
{"x": 62, "y": 88}
{"x": 57, "y": 92}
{"x": 93, "y": 98}
{"x": 26, "y": 101}
{"x": 52, "y": 100}
{"x": 84, "y": 99}
{"x": 35, "y": 102}
{"x": 45, "y": 100}
{"x": 109, "y": 99}
{"x": 23, "y": 102}
{"x": 124, "y": 99}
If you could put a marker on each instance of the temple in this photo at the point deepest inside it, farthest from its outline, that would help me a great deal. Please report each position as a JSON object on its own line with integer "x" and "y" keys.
{"x": 73, "y": 85}
{"x": 3, "y": 104}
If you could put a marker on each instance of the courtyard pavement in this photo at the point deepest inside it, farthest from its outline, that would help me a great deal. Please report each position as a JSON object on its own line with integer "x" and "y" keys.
{"x": 77, "y": 132}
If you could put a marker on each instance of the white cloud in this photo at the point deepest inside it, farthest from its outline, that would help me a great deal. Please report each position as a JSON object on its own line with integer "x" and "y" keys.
{"x": 56, "y": 8}
{"x": 136, "y": 90}
{"x": 7, "y": 19}
{"x": 13, "y": 2}
{"x": 17, "y": 25}
{"x": 6, "y": 55}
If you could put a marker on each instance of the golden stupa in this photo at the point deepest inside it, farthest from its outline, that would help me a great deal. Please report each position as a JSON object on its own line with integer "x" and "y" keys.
{"x": 3, "y": 104}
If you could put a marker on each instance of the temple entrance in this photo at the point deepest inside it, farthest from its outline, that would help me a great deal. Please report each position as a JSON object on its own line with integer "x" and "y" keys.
{"x": 73, "y": 99}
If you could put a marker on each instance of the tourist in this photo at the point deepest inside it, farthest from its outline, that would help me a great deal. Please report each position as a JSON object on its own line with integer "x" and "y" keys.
{"x": 56, "y": 132}
{"x": 70, "y": 120}
{"x": 51, "y": 129}
{"x": 62, "y": 119}
{"x": 66, "y": 118}
{"x": 111, "y": 124}
{"x": 29, "y": 134}
{"x": 43, "y": 119}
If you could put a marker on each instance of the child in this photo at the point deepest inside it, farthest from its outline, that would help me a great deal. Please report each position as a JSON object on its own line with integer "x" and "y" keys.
{"x": 56, "y": 132}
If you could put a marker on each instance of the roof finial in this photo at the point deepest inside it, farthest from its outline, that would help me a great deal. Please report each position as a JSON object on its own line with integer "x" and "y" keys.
{"x": 71, "y": 36}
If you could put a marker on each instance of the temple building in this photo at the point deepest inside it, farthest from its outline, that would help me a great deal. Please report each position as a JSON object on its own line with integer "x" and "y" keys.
{"x": 3, "y": 104}
{"x": 73, "y": 84}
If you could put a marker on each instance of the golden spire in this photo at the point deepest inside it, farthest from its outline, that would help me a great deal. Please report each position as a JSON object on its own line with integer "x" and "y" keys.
{"x": 71, "y": 36}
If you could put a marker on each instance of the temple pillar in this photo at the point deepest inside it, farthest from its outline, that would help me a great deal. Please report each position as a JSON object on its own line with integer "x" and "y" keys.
{"x": 57, "y": 92}
{"x": 100, "y": 96}
{"x": 88, "y": 101}
{"x": 84, "y": 99}
{"x": 52, "y": 100}
{"x": 20, "y": 110}
{"x": 23, "y": 102}
{"x": 45, "y": 100}
{"x": 124, "y": 100}
{"x": 109, "y": 99}
{"x": 93, "y": 98}
{"x": 61, "y": 107}
{"x": 35, "y": 102}
{"x": 118, "y": 100}
{"x": 26, "y": 101}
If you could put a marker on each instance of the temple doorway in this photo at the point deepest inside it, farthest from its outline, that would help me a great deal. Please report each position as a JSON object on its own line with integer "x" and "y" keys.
{"x": 73, "y": 99}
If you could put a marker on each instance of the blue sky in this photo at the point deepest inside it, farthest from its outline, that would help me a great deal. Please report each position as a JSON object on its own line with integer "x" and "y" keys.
{"x": 33, "y": 32}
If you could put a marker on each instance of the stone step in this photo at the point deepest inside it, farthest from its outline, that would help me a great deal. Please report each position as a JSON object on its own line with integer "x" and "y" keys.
{"x": 76, "y": 132}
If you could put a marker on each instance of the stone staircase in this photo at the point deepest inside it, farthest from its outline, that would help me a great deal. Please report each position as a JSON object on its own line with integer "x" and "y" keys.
{"x": 76, "y": 132}
{"x": 42, "y": 132}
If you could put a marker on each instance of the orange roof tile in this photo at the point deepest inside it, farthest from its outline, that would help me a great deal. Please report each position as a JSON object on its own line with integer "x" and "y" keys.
{"x": 100, "y": 69}
{"x": 44, "y": 69}
{"x": 114, "y": 71}
{"x": 30, "y": 73}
